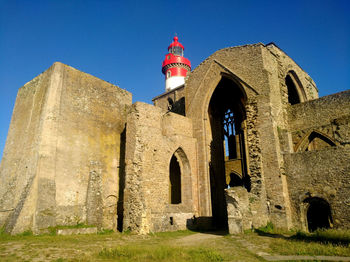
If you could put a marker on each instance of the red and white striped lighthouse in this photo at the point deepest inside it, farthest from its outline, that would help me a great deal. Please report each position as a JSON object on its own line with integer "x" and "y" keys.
{"x": 175, "y": 66}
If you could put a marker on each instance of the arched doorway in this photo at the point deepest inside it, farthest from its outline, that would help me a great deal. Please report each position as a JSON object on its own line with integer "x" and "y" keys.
{"x": 318, "y": 213}
{"x": 227, "y": 147}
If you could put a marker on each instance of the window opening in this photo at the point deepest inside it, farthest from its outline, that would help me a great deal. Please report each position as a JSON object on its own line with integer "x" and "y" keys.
{"x": 293, "y": 96}
{"x": 230, "y": 135}
{"x": 175, "y": 181}
{"x": 170, "y": 103}
{"x": 176, "y": 50}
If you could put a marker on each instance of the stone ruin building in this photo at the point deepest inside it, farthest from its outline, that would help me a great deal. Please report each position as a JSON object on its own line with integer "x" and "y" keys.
{"x": 243, "y": 142}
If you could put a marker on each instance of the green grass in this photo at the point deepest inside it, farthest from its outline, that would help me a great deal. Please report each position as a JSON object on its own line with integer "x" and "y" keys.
{"x": 338, "y": 237}
{"x": 159, "y": 253}
{"x": 172, "y": 246}
{"x": 328, "y": 242}
{"x": 293, "y": 247}
{"x": 105, "y": 232}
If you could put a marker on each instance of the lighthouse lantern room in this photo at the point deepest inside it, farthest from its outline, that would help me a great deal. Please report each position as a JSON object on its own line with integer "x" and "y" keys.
{"x": 175, "y": 66}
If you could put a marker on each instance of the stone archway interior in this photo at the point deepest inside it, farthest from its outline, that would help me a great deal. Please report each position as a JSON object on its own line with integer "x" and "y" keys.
{"x": 227, "y": 151}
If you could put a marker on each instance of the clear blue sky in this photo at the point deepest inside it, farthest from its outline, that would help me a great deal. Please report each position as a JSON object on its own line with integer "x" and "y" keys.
{"x": 124, "y": 42}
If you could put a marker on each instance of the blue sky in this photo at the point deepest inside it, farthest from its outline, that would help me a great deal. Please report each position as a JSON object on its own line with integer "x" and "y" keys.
{"x": 124, "y": 42}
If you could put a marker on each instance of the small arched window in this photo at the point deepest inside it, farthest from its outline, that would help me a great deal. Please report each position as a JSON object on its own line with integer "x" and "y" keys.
{"x": 293, "y": 96}
{"x": 295, "y": 90}
{"x": 175, "y": 181}
{"x": 168, "y": 74}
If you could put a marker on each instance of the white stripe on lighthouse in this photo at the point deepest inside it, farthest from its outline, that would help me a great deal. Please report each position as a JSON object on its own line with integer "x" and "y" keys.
{"x": 173, "y": 82}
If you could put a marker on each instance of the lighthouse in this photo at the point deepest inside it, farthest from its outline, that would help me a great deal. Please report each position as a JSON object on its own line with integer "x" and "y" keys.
{"x": 175, "y": 66}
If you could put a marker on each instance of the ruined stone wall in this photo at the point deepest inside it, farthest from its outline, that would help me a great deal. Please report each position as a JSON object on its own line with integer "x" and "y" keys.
{"x": 153, "y": 136}
{"x": 78, "y": 151}
{"x": 259, "y": 72}
{"x": 328, "y": 115}
{"x": 199, "y": 89}
{"x": 324, "y": 172}
{"x": 287, "y": 64}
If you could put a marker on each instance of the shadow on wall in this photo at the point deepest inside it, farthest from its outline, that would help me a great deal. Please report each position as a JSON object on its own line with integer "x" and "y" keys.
{"x": 177, "y": 107}
{"x": 120, "y": 205}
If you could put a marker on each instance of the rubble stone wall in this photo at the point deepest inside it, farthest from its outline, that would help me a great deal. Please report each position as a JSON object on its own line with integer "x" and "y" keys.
{"x": 324, "y": 172}
{"x": 153, "y": 136}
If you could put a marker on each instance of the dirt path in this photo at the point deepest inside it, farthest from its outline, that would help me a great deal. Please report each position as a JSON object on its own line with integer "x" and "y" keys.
{"x": 196, "y": 239}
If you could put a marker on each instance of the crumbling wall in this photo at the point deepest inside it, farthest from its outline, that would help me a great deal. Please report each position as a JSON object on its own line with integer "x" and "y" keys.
{"x": 328, "y": 115}
{"x": 325, "y": 172}
{"x": 152, "y": 138}
{"x": 238, "y": 209}
{"x": 77, "y": 144}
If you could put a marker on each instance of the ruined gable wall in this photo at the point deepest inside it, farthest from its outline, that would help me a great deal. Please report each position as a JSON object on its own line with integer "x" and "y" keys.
{"x": 152, "y": 137}
{"x": 258, "y": 71}
{"x": 322, "y": 173}
{"x": 76, "y": 176}
{"x": 200, "y": 85}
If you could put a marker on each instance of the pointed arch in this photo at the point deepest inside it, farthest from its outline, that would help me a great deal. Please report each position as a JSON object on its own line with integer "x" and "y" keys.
{"x": 179, "y": 168}
{"x": 296, "y": 92}
{"x": 226, "y": 135}
{"x": 314, "y": 140}
{"x": 199, "y": 93}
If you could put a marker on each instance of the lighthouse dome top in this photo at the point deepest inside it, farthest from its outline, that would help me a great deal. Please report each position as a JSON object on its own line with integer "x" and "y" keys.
{"x": 176, "y": 47}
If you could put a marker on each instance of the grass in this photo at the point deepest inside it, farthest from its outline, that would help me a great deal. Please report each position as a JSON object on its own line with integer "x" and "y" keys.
{"x": 311, "y": 248}
{"x": 159, "y": 253}
{"x": 328, "y": 242}
{"x": 172, "y": 246}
